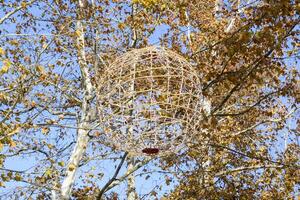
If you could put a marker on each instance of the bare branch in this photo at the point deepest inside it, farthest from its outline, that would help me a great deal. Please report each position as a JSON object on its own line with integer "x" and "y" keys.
{"x": 129, "y": 172}
{"x": 113, "y": 178}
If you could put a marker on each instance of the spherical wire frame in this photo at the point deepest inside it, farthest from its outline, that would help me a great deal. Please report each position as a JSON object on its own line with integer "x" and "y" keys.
{"x": 149, "y": 102}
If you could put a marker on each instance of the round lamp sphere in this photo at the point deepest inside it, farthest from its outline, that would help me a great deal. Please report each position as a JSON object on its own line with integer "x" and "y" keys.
{"x": 149, "y": 102}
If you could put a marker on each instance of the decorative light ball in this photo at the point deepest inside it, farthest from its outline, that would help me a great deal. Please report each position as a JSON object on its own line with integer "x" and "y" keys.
{"x": 149, "y": 102}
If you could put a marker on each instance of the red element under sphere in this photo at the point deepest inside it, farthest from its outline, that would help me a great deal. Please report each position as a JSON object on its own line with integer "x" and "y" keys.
{"x": 150, "y": 151}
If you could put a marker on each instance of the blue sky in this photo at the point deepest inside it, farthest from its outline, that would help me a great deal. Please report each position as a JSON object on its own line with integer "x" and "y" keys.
{"x": 105, "y": 166}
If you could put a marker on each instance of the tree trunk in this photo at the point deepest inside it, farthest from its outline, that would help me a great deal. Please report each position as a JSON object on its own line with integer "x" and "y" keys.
{"x": 131, "y": 193}
{"x": 82, "y": 138}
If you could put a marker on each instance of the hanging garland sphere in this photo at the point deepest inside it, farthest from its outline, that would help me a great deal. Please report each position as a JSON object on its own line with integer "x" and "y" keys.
{"x": 149, "y": 102}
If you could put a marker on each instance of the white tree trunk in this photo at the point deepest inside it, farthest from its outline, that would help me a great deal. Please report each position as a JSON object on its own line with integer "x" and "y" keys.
{"x": 131, "y": 193}
{"x": 82, "y": 137}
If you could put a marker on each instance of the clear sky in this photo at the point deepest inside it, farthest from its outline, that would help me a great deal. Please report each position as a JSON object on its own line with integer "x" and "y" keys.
{"x": 107, "y": 167}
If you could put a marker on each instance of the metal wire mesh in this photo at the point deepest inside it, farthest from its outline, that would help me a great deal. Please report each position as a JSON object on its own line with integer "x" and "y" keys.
{"x": 149, "y": 101}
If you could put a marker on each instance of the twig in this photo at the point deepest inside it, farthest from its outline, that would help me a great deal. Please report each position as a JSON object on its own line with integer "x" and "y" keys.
{"x": 14, "y": 11}
{"x": 113, "y": 178}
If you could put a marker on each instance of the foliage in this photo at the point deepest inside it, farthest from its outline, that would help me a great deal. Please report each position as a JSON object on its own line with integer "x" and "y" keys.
{"x": 246, "y": 53}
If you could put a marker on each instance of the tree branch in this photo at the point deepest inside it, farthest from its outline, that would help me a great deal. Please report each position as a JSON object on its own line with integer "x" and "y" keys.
{"x": 82, "y": 138}
{"x": 128, "y": 173}
{"x": 113, "y": 178}
{"x": 15, "y": 10}
{"x": 239, "y": 169}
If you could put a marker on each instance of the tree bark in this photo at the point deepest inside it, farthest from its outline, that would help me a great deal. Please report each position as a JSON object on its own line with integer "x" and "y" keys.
{"x": 131, "y": 192}
{"x": 82, "y": 138}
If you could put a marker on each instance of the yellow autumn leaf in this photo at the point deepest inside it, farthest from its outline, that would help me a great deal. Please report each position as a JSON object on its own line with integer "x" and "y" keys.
{"x": 71, "y": 167}
{"x": 5, "y": 66}
{"x": 14, "y": 42}
{"x": 4, "y": 69}
{"x": 77, "y": 33}
{"x": 45, "y": 130}
{"x": 61, "y": 163}
{"x": 2, "y": 52}
{"x": 18, "y": 177}
{"x": 40, "y": 69}
{"x": 12, "y": 144}
{"x": 33, "y": 104}
{"x": 3, "y": 96}
{"x": 121, "y": 26}
{"x": 23, "y": 4}
{"x": 48, "y": 172}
